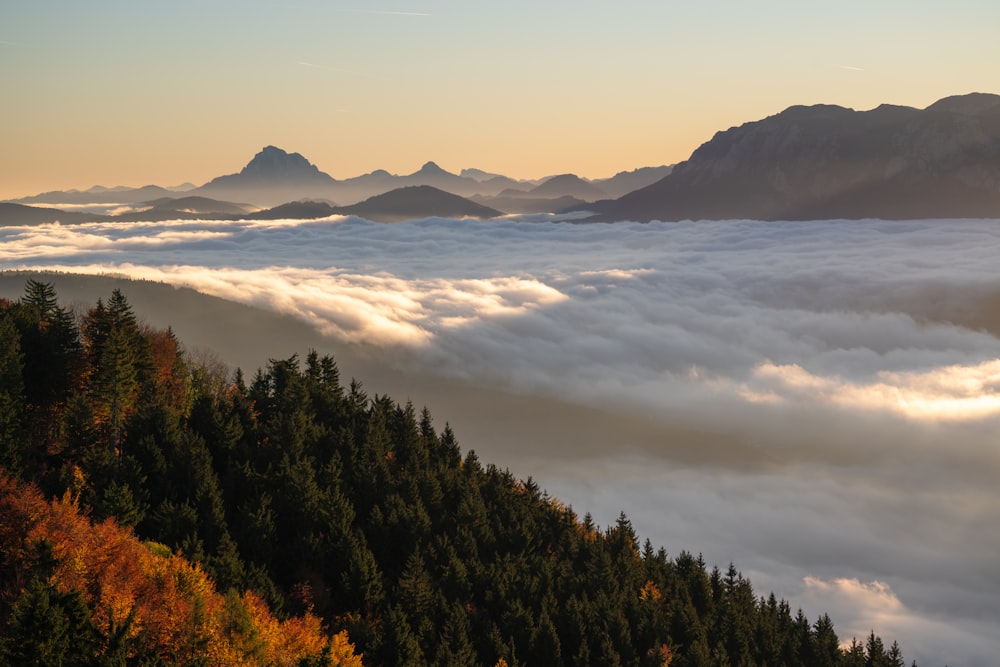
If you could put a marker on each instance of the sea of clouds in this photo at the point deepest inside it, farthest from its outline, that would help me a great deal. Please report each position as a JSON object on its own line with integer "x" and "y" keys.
{"x": 818, "y": 402}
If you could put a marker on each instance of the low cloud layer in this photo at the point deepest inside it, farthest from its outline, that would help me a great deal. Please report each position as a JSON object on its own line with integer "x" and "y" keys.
{"x": 831, "y": 390}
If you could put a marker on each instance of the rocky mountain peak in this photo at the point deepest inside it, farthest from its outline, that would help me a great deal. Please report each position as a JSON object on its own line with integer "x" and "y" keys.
{"x": 274, "y": 163}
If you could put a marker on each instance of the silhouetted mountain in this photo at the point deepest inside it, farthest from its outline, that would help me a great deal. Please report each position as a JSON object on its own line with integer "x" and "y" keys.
{"x": 822, "y": 162}
{"x": 359, "y": 188}
{"x": 18, "y": 214}
{"x": 625, "y": 182}
{"x": 520, "y": 202}
{"x": 273, "y": 176}
{"x": 98, "y": 195}
{"x": 417, "y": 201}
{"x": 433, "y": 175}
{"x": 297, "y": 210}
{"x": 568, "y": 185}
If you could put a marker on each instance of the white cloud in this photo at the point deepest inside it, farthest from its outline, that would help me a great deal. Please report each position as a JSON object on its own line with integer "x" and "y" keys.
{"x": 948, "y": 393}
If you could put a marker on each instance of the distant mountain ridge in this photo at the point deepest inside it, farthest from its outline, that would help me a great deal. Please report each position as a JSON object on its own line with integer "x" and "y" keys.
{"x": 826, "y": 162}
{"x": 99, "y": 195}
{"x": 274, "y": 176}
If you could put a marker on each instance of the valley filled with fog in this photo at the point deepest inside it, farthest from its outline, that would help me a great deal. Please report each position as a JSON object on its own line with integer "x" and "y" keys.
{"x": 816, "y": 402}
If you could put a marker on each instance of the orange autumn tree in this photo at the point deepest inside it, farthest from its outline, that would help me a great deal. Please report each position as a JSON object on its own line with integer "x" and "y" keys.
{"x": 69, "y": 586}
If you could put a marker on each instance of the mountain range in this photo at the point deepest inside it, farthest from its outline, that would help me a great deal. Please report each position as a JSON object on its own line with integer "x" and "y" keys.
{"x": 806, "y": 162}
{"x": 274, "y": 176}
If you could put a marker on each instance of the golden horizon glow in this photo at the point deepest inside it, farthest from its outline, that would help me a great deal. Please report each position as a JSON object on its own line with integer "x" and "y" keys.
{"x": 108, "y": 95}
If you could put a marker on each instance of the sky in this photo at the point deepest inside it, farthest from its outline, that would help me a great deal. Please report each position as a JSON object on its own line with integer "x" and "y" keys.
{"x": 128, "y": 93}
{"x": 815, "y": 402}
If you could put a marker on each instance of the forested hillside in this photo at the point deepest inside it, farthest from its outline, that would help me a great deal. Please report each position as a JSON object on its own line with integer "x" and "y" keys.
{"x": 325, "y": 502}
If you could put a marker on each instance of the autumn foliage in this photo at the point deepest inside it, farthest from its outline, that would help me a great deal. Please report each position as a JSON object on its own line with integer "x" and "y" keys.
{"x": 142, "y": 601}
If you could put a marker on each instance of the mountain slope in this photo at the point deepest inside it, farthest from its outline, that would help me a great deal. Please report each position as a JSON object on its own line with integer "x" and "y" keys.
{"x": 322, "y": 498}
{"x": 822, "y": 162}
{"x": 418, "y": 201}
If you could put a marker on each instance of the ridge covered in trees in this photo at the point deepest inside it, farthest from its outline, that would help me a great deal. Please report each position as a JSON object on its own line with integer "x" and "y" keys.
{"x": 325, "y": 504}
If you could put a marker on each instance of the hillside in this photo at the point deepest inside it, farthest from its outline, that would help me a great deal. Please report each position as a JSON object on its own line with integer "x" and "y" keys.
{"x": 418, "y": 201}
{"x": 20, "y": 214}
{"x": 828, "y": 162}
{"x": 320, "y": 497}
{"x": 298, "y": 210}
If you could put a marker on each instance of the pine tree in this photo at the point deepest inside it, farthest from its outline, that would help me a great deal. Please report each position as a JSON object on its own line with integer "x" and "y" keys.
{"x": 116, "y": 384}
{"x": 11, "y": 393}
{"x": 48, "y": 627}
{"x": 825, "y": 647}
{"x": 41, "y": 296}
{"x": 50, "y": 346}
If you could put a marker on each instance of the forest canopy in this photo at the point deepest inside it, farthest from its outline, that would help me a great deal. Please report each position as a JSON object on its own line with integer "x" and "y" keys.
{"x": 292, "y": 518}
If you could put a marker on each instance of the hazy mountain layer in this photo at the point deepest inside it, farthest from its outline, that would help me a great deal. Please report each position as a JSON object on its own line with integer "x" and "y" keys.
{"x": 274, "y": 177}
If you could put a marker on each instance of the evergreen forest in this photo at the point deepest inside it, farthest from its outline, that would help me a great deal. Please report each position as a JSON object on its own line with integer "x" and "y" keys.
{"x": 155, "y": 510}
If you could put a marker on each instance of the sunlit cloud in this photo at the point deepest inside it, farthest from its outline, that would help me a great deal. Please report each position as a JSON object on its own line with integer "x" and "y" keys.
{"x": 852, "y": 68}
{"x": 942, "y": 394}
{"x": 864, "y": 606}
{"x": 352, "y": 307}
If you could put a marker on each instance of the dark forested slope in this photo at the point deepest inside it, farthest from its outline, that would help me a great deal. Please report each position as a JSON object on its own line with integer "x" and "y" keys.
{"x": 321, "y": 498}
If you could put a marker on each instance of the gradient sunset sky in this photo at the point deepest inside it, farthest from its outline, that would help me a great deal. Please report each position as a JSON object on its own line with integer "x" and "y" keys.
{"x": 130, "y": 93}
